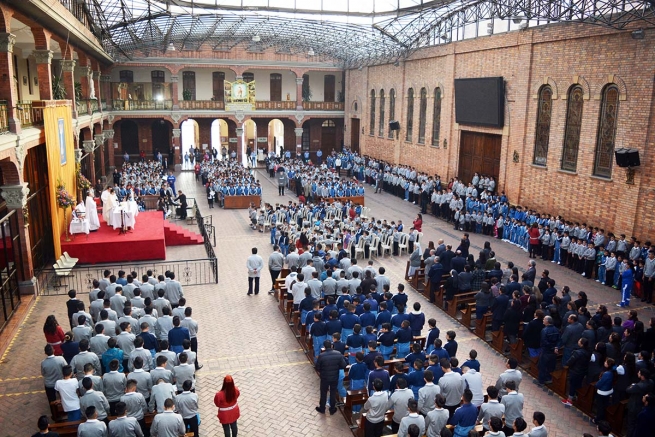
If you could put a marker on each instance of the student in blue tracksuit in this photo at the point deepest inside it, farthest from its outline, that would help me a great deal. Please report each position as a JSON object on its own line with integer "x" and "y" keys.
{"x": 318, "y": 333}
{"x": 627, "y": 279}
{"x": 386, "y": 338}
{"x": 384, "y": 316}
{"x": 404, "y": 338}
{"x": 355, "y": 342}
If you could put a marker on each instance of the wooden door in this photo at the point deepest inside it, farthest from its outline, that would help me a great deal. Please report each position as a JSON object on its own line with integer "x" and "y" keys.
{"x": 354, "y": 135}
{"x": 479, "y": 153}
{"x": 328, "y": 136}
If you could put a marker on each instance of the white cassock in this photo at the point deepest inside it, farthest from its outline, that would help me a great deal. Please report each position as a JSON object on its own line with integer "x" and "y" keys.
{"x": 106, "y": 213}
{"x": 112, "y": 202}
{"x": 92, "y": 212}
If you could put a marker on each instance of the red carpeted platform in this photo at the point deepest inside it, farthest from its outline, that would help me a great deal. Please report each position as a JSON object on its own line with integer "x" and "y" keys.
{"x": 178, "y": 236}
{"x": 146, "y": 242}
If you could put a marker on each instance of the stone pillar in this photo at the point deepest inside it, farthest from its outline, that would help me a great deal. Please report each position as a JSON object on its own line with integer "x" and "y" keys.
{"x": 299, "y": 81}
{"x": 68, "y": 68}
{"x": 109, "y": 136}
{"x": 106, "y": 91}
{"x": 98, "y": 91}
{"x": 44, "y": 72}
{"x": 298, "y": 131}
{"x": 177, "y": 133}
{"x": 84, "y": 72}
{"x": 174, "y": 91}
{"x": 89, "y": 147}
{"x": 240, "y": 143}
{"x": 8, "y": 89}
{"x": 16, "y": 198}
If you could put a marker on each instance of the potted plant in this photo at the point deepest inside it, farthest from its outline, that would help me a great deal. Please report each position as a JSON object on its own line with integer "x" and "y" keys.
{"x": 64, "y": 201}
{"x": 186, "y": 94}
{"x": 306, "y": 93}
{"x": 78, "y": 91}
{"x": 58, "y": 90}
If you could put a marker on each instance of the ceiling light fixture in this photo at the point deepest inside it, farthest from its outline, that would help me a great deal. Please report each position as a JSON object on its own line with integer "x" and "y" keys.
{"x": 523, "y": 26}
{"x": 310, "y": 52}
{"x": 517, "y": 20}
{"x": 171, "y": 47}
{"x": 638, "y": 34}
{"x": 256, "y": 38}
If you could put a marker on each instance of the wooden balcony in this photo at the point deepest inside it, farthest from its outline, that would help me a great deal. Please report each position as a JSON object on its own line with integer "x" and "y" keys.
{"x": 322, "y": 106}
{"x": 202, "y": 104}
{"x": 28, "y": 115}
{"x": 283, "y": 105}
{"x": 141, "y": 105}
{"x": 4, "y": 117}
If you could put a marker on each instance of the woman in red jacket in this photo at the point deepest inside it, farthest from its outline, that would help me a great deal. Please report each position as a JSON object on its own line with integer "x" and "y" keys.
{"x": 534, "y": 235}
{"x": 54, "y": 334}
{"x": 228, "y": 408}
{"x": 418, "y": 223}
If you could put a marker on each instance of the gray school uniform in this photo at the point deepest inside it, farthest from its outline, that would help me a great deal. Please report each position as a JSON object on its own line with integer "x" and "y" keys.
{"x": 136, "y": 404}
{"x": 191, "y": 325}
{"x": 145, "y": 355}
{"x": 451, "y": 388}
{"x": 174, "y": 292}
{"x": 147, "y": 290}
{"x": 98, "y": 400}
{"x": 52, "y": 370}
{"x": 97, "y": 384}
{"x": 538, "y": 431}
{"x": 191, "y": 356}
{"x": 435, "y": 420}
{"x": 95, "y": 308}
{"x": 110, "y": 291}
{"x": 179, "y": 311}
{"x": 125, "y": 341}
{"x": 341, "y": 284}
{"x": 398, "y": 401}
{"x": 80, "y": 360}
{"x": 103, "y": 284}
{"x": 426, "y": 395}
{"x": 151, "y": 321}
{"x": 171, "y": 356}
{"x": 128, "y": 291}
{"x": 160, "y": 303}
{"x": 125, "y": 427}
{"x": 117, "y": 302}
{"x": 490, "y": 409}
{"x": 164, "y": 324}
{"x": 182, "y": 373}
{"x": 136, "y": 326}
{"x": 152, "y": 280}
{"x": 186, "y": 404}
{"x": 167, "y": 424}
{"x": 114, "y": 385}
{"x": 143, "y": 382}
{"x": 92, "y": 428}
{"x": 513, "y": 402}
{"x": 412, "y": 419}
{"x": 508, "y": 375}
{"x": 110, "y": 327}
{"x": 88, "y": 322}
{"x": 329, "y": 286}
{"x": 316, "y": 287}
{"x": 161, "y": 373}
{"x": 98, "y": 344}
{"x": 159, "y": 394}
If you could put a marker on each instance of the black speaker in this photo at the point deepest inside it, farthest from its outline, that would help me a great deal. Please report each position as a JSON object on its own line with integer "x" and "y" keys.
{"x": 394, "y": 125}
{"x": 627, "y": 157}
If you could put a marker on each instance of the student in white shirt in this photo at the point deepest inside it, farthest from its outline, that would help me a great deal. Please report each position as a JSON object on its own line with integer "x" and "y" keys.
{"x": 67, "y": 389}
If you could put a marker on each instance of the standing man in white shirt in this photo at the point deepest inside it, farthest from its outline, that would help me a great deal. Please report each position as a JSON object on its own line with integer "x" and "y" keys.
{"x": 255, "y": 264}
{"x": 275, "y": 266}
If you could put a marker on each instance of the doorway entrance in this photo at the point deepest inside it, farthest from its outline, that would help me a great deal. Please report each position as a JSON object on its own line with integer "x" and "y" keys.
{"x": 354, "y": 135}
{"x": 479, "y": 153}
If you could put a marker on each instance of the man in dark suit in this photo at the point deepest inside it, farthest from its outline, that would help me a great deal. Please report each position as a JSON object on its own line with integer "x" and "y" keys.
{"x": 498, "y": 309}
{"x": 435, "y": 273}
{"x": 446, "y": 257}
{"x": 458, "y": 262}
{"x": 531, "y": 273}
{"x": 328, "y": 365}
{"x": 180, "y": 200}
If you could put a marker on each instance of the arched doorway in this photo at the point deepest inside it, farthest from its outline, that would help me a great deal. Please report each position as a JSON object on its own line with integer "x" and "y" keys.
{"x": 219, "y": 136}
{"x": 276, "y": 136}
{"x": 249, "y": 139}
{"x": 190, "y": 137}
{"x": 129, "y": 141}
{"x": 161, "y": 138}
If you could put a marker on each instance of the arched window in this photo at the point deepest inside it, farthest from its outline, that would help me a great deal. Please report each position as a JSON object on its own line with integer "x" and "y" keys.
{"x": 371, "y": 124}
{"x": 328, "y": 123}
{"x": 392, "y": 108}
{"x": 410, "y": 115}
{"x": 382, "y": 120}
{"x": 542, "y": 130}
{"x": 436, "y": 116}
{"x": 276, "y": 87}
{"x": 423, "y": 107}
{"x": 609, "y": 111}
{"x": 574, "y": 106}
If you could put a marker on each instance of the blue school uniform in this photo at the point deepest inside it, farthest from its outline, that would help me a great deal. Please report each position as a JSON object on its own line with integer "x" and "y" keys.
{"x": 386, "y": 340}
{"x": 404, "y": 337}
{"x": 319, "y": 335}
{"x": 382, "y": 317}
{"x": 348, "y": 322}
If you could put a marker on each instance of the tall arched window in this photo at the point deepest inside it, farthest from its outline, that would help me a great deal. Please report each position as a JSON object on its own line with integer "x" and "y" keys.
{"x": 382, "y": 120}
{"x": 436, "y": 116}
{"x": 609, "y": 111}
{"x": 410, "y": 115}
{"x": 574, "y": 106}
{"x": 392, "y": 108}
{"x": 423, "y": 107}
{"x": 542, "y": 130}
{"x": 371, "y": 124}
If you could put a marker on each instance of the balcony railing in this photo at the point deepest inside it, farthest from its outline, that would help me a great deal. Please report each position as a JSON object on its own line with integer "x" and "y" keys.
{"x": 4, "y": 117}
{"x": 80, "y": 10}
{"x": 276, "y": 105}
{"x": 141, "y": 105}
{"x": 322, "y": 106}
{"x": 28, "y": 115}
{"x": 202, "y": 104}
{"x": 82, "y": 107}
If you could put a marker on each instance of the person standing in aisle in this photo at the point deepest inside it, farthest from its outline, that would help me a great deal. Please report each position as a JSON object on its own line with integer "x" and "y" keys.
{"x": 255, "y": 264}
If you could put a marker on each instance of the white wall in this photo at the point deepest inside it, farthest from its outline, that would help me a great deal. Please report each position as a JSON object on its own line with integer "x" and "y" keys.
{"x": 22, "y": 72}
{"x": 317, "y": 82}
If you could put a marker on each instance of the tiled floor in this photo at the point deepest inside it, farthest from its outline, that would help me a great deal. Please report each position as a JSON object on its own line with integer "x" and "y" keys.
{"x": 248, "y": 338}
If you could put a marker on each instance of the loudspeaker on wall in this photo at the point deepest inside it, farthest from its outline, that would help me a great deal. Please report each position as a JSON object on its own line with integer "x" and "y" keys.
{"x": 627, "y": 157}
{"x": 394, "y": 125}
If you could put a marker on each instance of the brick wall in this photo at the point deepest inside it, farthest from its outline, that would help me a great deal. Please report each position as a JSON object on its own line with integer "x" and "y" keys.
{"x": 560, "y": 55}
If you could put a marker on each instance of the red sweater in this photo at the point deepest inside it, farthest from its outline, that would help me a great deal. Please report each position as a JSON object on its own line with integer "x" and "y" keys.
{"x": 227, "y": 412}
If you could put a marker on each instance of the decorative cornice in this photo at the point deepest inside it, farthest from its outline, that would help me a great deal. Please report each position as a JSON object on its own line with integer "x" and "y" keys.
{"x": 43, "y": 56}
{"x": 299, "y": 80}
{"x": 15, "y": 195}
{"x": 109, "y": 133}
{"x": 88, "y": 145}
{"x": 99, "y": 139}
{"x": 68, "y": 65}
{"x": 177, "y": 133}
{"x": 83, "y": 70}
{"x": 175, "y": 78}
{"x": 7, "y": 41}
{"x": 298, "y": 131}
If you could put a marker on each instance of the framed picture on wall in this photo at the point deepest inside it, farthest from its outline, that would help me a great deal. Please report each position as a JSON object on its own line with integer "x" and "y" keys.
{"x": 36, "y": 80}
{"x": 24, "y": 80}
{"x": 62, "y": 140}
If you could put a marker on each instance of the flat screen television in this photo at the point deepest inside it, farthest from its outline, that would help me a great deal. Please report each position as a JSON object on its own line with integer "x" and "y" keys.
{"x": 480, "y": 101}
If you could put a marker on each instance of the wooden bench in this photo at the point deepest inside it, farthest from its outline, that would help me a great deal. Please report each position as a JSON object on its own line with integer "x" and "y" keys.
{"x": 584, "y": 400}
{"x": 467, "y": 313}
{"x": 482, "y": 324}
{"x": 353, "y": 398}
{"x": 559, "y": 377}
{"x": 460, "y": 299}
{"x": 65, "y": 429}
{"x": 241, "y": 202}
{"x": 418, "y": 281}
{"x": 355, "y": 200}
{"x": 388, "y": 418}
{"x": 615, "y": 414}
{"x": 498, "y": 340}
{"x": 516, "y": 350}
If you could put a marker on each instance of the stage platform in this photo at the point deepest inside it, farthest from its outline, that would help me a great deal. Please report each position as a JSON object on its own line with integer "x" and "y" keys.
{"x": 146, "y": 242}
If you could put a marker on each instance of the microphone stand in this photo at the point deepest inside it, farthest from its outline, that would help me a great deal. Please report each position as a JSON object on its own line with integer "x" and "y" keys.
{"x": 123, "y": 230}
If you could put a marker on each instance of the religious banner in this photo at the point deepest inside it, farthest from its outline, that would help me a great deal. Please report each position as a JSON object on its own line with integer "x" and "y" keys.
{"x": 239, "y": 95}
{"x": 60, "y": 147}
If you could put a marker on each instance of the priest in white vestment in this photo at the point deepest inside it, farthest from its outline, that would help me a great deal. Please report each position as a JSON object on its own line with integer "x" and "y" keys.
{"x": 92, "y": 211}
{"x": 106, "y": 214}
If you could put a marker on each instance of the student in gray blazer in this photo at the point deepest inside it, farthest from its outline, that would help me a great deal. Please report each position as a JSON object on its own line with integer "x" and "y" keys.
{"x": 539, "y": 430}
